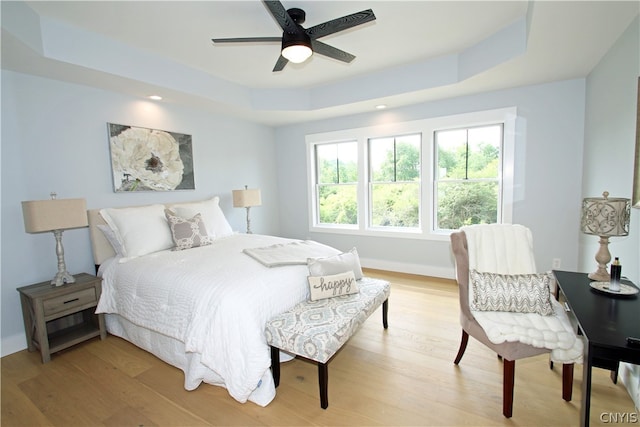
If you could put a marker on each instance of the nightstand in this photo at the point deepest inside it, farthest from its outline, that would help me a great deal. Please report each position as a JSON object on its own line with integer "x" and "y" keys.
{"x": 57, "y": 317}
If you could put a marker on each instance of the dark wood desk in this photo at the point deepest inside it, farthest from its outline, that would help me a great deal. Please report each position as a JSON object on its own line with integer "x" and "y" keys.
{"x": 605, "y": 321}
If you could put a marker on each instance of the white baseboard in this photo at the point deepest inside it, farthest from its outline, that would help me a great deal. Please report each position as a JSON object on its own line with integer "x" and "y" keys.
{"x": 630, "y": 376}
{"x": 13, "y": 344}
{"x": 423, "y": 270}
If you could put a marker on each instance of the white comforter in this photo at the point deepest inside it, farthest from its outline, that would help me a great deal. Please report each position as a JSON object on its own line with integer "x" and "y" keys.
{"x": 215, "y": 299}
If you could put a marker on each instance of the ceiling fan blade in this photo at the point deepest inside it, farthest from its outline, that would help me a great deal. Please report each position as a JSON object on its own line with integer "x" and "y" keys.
{"x": 330, "y": 51}
{"x": 280, "y": 63}
{"x": 340, "y": 24}
{"x": 248, "y": 40}
{"x": 282, "y": 17}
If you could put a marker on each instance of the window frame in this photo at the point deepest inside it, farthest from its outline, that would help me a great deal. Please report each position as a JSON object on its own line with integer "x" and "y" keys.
{"x": 317, "y": 185}
{"x": 427, "y": 127}
{"x": 435, "y": 180}
{"x": 371, "y": 182}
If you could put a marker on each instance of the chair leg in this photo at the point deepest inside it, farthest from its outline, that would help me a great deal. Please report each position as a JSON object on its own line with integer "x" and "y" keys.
{"x": 567, "y": 381}
{"x": 463, "y": 346}
{"x": 507, "y": 387}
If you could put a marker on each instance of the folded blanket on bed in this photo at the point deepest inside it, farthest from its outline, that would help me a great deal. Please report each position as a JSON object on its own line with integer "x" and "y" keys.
{"x": 510, "y": 251}
{"x": 293, "y": 253}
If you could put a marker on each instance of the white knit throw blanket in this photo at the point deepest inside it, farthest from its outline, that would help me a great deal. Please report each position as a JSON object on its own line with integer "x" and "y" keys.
{"x": 508, "y": 249}
{"x": 293, "y": 253}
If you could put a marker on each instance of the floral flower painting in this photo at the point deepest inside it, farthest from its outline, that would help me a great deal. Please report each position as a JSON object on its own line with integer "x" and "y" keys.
{"x": 149, "y": 159}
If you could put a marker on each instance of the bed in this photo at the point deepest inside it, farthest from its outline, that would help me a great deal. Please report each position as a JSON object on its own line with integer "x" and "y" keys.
{"x": 202, "y": 309}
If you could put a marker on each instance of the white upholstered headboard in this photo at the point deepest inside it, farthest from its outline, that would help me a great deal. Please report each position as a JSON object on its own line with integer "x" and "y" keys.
{"x": 102, "y": 249}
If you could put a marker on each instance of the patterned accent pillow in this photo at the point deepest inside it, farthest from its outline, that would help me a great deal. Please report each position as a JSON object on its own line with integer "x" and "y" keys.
{"x": 518, "y": 293}
{"x": 187, "y": 233}
{"x": 322, "y": 287}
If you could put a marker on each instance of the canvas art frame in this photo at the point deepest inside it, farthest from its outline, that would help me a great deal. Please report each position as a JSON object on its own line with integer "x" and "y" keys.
{"x": 635, "y": 189}
{"x": 145, "y": 159}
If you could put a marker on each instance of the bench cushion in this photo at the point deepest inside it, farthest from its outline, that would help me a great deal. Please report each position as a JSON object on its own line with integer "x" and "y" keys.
{"x": 317, "y": 329}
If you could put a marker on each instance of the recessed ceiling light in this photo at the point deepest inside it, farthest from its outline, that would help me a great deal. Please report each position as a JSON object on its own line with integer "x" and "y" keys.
{"x": 155, "y": 97}
{"x": 381, "y": 106}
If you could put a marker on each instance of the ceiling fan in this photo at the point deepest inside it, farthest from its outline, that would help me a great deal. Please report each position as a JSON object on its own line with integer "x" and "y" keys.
{"x": 300, "y": 43}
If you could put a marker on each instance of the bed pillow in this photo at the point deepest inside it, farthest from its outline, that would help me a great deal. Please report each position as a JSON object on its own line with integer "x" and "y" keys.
{"x": 321, "y": 287}
{"x": 214, "y": 220}
{"x": 140, "y": 230}
{"x": 187, "y": 233}
{"x": 110, "y": 235}
{"x": 341, "y": 263}
{"x": 518, "y": 293}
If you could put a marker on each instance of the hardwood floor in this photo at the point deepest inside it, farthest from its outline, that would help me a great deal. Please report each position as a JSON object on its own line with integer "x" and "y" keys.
{"x": 403, "y": 376}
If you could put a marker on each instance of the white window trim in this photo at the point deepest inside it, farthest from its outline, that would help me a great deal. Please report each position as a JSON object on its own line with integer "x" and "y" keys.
{"x": 427, "y": 127}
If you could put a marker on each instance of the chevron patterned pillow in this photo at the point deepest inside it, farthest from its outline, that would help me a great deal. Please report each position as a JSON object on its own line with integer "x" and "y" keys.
{"x": 518, "y": 293}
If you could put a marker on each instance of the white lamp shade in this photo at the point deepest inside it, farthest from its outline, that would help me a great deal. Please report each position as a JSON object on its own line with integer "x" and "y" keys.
{"x": 603, "y": 216}
{"x": 246, "y": 198}
{"x": 57, "y": 214}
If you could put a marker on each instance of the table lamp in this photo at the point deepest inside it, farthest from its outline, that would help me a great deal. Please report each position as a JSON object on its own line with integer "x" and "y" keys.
{"x": 246, "y": 199}
{"x": 55, "y": 215}
{"x": 605, "y": 217}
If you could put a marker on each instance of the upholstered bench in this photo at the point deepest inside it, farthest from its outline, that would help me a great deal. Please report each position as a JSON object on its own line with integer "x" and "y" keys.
{"x": 316, "y": 330}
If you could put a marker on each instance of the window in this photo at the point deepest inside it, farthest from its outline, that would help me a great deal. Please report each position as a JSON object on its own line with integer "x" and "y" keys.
{"x": 337, "y": 181}
{"x": 467, "y": 184}
{"x": 394, "y": 181}
{"x": 418, "y": 179}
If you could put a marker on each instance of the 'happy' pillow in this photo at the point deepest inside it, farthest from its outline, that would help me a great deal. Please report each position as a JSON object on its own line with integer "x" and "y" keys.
{"x": 321, "y": 287}
{"x": 518, "y": 293}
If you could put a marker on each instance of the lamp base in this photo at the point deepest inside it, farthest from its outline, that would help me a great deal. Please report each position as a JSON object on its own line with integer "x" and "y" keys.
{"x": 600, "y": 275}
{"x": 63, "y": 277}
{"x": 603, "y": 256}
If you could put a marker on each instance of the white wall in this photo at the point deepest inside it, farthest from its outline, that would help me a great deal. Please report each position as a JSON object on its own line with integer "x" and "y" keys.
{"x": 610, "y": 133}
{"x": 54, "y": 138}
{"x": 548, "y": 176}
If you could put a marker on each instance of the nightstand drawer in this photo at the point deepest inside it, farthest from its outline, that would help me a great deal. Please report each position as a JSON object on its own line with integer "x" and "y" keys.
{"x": 69, "y": 301}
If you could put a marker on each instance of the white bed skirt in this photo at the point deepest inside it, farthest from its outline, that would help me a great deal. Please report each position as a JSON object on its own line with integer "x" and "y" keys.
{"x": 172, "y": 351}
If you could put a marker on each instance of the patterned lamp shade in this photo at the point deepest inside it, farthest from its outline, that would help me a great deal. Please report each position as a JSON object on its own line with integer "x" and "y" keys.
{"x": 606, "y": 216}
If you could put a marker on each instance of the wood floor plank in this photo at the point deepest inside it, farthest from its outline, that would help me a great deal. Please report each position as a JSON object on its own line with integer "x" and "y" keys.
{"x": 402, "y": 376}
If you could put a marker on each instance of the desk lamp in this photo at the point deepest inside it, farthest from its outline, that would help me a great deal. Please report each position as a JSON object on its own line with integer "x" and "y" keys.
{"x": 605, "y": 217}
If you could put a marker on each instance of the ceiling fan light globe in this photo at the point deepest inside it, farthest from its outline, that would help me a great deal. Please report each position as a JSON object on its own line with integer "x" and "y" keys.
{"x": 297, "y": 53}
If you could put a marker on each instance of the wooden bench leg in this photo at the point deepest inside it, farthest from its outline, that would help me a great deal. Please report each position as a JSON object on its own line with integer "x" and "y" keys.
{"x": 323, "y": 379}
{"x": 385, "y": 311}
{"x": 275, "y": 365}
